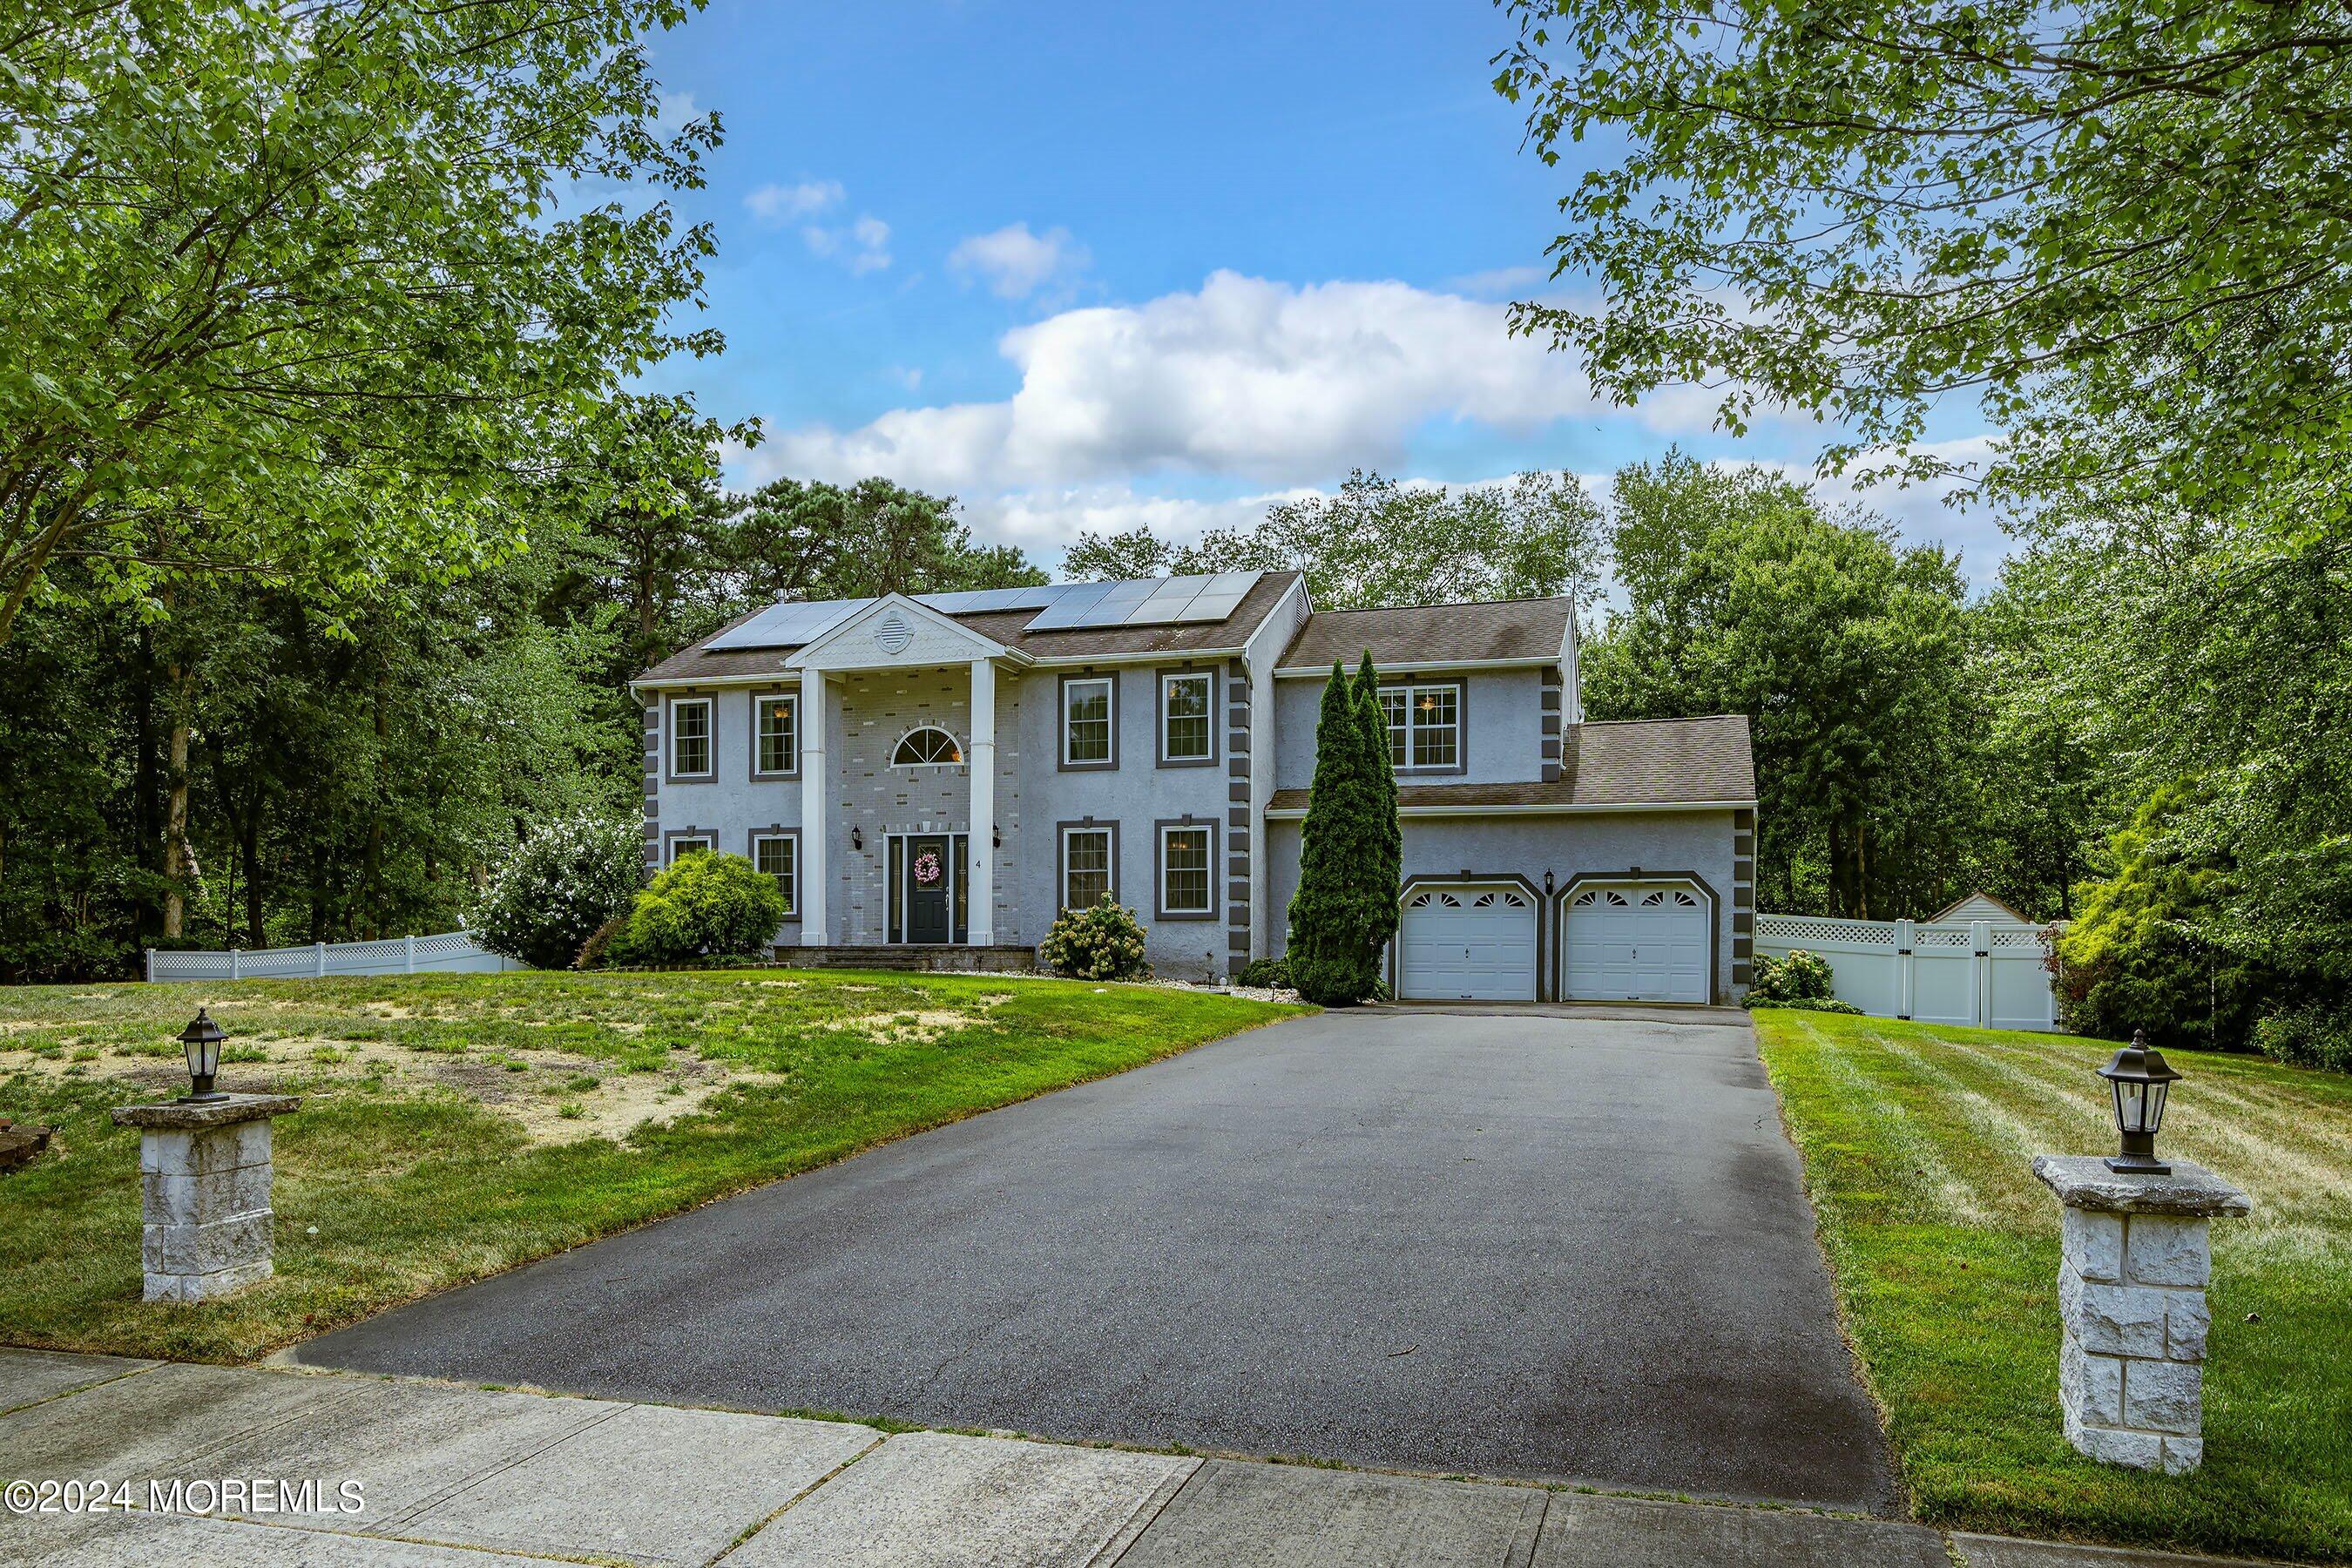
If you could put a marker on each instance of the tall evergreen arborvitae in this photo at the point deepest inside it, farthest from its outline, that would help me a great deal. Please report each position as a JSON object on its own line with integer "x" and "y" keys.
{"x": 1385, "y": 875}
{"x": 1333, "y": 926}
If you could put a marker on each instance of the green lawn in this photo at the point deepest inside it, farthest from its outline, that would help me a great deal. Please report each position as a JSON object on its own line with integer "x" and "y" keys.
{"x": 1916, "y": 1142}
{"x": 458, "y": 1125}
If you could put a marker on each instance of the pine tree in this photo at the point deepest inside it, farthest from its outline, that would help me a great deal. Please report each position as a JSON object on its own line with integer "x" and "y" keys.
{"x": 1335, "y": 937}
{"x": 1386, "y": 874}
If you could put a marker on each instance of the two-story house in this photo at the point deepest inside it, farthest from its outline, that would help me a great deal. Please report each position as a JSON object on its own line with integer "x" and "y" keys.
{"x": 952, "y": 770}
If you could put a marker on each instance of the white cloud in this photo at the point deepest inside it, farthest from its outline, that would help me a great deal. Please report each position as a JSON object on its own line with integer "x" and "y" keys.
{"x": 1498, "y": 281}
{"x": 1045, "y": 521}
{"x": 863, "y": 247}
{"x": 776, "y": 205}
{"x": 1265, "y": 381}
{"x": 1016, "y": 263}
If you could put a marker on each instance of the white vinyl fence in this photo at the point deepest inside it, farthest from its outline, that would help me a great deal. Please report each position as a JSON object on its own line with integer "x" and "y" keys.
{"x": 447, "y": 953}
{"x": 1986, "y": 972}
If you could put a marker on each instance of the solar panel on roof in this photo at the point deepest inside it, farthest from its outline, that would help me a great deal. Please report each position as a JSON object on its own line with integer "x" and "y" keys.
{"x": 1074, "y": 602}
{"x": 789, "y": 625}
{"x": 1140, "y": 601}
{"x": 1214, "y": 606}
{"x": 1168, "y": 602}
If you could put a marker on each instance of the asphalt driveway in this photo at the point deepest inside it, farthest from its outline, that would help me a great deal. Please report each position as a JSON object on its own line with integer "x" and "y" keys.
{"x": 1499, "y": 1243}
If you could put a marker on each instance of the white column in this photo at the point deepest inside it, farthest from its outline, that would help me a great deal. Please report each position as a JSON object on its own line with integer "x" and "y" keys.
{"x": 980, "y": 897}
{"x": 816, "y": 783}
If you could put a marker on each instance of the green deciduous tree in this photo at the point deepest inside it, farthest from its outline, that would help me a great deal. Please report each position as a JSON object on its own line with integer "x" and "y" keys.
{"x": 306, "y": 289}
{"x": 1847, "y": 654}
{"x": 1339, "y": 912}
{"x": 2139, "y": 956}
{"x": 2117, "y": 224}
{"x": 1379, "y": 542}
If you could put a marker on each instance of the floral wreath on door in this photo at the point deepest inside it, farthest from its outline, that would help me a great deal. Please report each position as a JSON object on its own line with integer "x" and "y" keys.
{"x": 927, "y": 868}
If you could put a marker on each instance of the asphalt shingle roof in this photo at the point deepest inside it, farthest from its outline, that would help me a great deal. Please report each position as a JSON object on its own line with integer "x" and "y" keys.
{"x": 699, "y": 662}
{"x": 1432, "y": 633}
{"x": 1652, "y": 762}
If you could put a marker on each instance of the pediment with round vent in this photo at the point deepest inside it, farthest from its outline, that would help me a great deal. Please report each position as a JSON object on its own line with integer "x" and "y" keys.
{"x": 893, "y": 634}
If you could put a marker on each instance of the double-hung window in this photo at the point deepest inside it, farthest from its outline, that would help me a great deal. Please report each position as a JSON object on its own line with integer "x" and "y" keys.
{"x": 776, "y": 735}
{"x": 686, "y": 844}
{"x": 1087, "y": 710}
{"x": 1185, "y": 880}
{"x": 1087, "y": 872}
{"x": 1425, "y": 724}
{"x": 777, "y": 855}
{"x": 689, "y": 738}
{"x": 1187, "y": 698}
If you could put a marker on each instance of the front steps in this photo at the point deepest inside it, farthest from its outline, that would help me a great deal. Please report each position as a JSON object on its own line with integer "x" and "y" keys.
{"x": 937, "y": 959}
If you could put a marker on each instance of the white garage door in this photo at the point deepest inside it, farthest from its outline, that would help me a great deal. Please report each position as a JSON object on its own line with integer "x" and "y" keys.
{"x": 1637, "y": 942}
{"x": 1467, "y": 943}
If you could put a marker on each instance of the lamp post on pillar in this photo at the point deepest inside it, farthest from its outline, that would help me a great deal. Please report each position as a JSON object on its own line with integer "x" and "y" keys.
{"x": 2134, "y": 1259}
{"x": 204, "y": 1176}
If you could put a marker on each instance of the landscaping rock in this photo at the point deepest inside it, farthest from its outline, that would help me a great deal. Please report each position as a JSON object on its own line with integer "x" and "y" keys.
{"x": 19, "y": 1145}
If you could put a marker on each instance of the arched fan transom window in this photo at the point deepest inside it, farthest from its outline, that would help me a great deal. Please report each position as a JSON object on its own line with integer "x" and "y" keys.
{"x": 928, "y": 747}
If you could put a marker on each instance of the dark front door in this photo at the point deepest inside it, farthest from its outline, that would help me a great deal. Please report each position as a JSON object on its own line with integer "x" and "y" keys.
{"x": 930, "y": 882}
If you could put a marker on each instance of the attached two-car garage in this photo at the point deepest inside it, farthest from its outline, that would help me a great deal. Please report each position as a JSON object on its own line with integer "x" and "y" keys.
{"x": 1619, "y": 942}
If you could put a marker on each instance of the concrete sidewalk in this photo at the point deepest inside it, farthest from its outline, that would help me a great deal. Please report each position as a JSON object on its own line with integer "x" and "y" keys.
{"x": 465, "y": 1477}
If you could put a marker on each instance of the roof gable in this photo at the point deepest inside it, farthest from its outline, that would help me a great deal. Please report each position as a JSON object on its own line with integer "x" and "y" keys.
{"x": 1977, "y": 906}
{"x": 894, "y": 630}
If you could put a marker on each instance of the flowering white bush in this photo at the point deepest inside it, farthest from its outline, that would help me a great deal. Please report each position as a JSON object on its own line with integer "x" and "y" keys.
{"x": 1101, "y": 943}
{"x": 566, "y": 879}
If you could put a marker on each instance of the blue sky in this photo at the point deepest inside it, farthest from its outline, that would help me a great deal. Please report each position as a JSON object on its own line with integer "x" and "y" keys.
{"x": 1085, "y": 266}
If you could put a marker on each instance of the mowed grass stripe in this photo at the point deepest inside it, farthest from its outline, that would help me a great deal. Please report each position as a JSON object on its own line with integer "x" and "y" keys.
{"x": 1915, "y": 1140}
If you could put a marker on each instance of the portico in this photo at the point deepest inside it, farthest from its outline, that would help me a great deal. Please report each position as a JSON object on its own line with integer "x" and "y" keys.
{"x": 864, "y": 686}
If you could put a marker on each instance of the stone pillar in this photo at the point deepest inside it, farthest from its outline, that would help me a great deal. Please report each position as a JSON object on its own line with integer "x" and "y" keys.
{"x": 980, "y": 895}
{"x": 816, "y": 783}
{"x": 2131, "y": 1298}
{"x": 203, "y": 1171}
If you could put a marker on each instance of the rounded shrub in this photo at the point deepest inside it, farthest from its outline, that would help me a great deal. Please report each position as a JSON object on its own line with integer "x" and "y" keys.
{"x": 1101, "y": 943}
{"x": 704, "y": 905}
{"x": 1801, "y": 977}
{"x": 2306, "y": 1037}
{"x": 564, "y": 880}
{"x": 1266, "y": 973}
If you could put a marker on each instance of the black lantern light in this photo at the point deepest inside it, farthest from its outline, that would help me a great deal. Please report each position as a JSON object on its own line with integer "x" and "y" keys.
{"x": 202, "y": 1040}
{"x": 2139, "y": 1077}
{"x": 857, "y": 837}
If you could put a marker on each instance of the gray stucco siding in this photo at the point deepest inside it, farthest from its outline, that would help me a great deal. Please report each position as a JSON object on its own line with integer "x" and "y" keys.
{"x": 730, "y": 804}
{"x": 1137, "y": 795}
{"x": 1502, "y": 720}
{"x": 1567, "y": 845}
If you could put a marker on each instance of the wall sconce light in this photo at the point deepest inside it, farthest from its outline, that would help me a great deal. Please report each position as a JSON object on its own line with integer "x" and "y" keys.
{"x": 996, "y": 838}
{"x": 857, "y": 837}
{"x": 1547, "y": 884}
